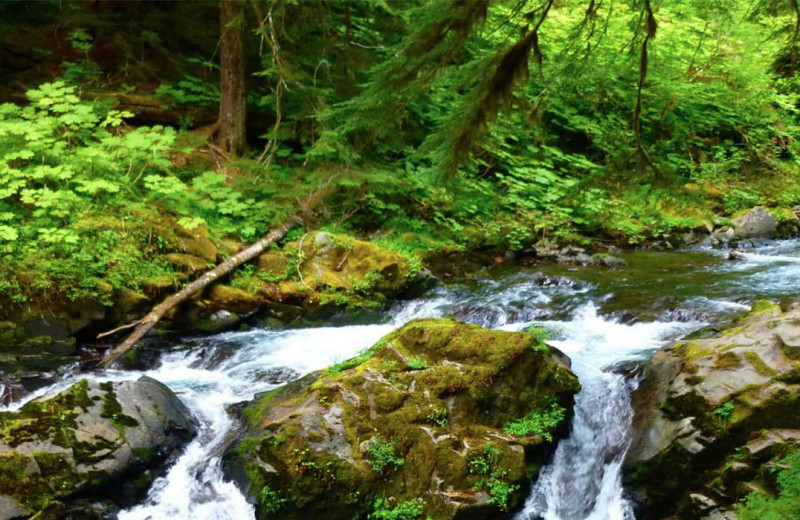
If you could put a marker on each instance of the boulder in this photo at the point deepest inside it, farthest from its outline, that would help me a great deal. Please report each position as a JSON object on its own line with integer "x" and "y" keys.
{"x": 84, "y": 441}
{"x": 442, "y": 418}
{"x": 319, "y": 273}
{"x": 755, "y": 223}
{"x": 712, "y": 412}
{"x": 574, "y": 255}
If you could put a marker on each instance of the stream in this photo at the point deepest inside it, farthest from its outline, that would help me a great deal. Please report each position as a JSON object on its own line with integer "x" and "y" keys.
{"x": 604, "y": 319}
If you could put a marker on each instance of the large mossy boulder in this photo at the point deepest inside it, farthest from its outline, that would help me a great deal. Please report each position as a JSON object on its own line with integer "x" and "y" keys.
{"x": 87, "y": 441}
{"x": 713, "y": 415}
{"x": 316, "y": 274}
{"x": 438, "y": 419}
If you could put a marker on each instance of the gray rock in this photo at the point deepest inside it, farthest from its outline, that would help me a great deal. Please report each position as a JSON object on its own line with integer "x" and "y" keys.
{"x": 756, "y": 223}
{"x": 10, "y": 509}
{"x": 86, "y": 438}
{"x": 713, "y": 408}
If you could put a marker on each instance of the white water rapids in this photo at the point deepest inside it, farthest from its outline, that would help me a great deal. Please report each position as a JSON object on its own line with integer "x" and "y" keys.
{"x": 582, "y": 482}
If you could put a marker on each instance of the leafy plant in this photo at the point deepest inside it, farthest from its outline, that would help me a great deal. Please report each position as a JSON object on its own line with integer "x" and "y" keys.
{"x": 382, "y": 456}
{"x": 406, "y": 510}
{"x": 786, "y": 504}
{"x": 724, "y": 412}
{"x": 540, "y": 335}
{"x": 538, "y": 423}
{"x": 271, "y": 500}
{"x": 493, "y": 480}
{"x": 417, "y": 363}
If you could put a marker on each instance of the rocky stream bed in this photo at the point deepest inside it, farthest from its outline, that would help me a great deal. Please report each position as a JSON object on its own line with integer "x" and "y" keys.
{"x": 254, "y": 424}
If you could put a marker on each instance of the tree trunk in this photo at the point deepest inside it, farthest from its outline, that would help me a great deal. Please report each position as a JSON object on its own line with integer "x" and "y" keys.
{"x": 158, "y": 312}
{"x": 232, "y": 98}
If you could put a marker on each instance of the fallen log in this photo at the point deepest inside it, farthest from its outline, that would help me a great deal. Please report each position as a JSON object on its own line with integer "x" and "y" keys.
{"x": 148, "y": 322}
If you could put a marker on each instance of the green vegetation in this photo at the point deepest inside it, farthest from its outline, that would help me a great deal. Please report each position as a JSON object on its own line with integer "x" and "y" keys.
{"x": 382, "y": 456}
{"x": 541, "y": 334}
{"x": 407, "y": 510}
{"x": 390, "y": 111}
{"x": 538, "y": 423}
{"x": 271, "y": 500}
{"x": 417, "y": 363}
{"x": 786, "y": 504}
{"x": 493, "y": 480}
{"x": 724, "y": 412}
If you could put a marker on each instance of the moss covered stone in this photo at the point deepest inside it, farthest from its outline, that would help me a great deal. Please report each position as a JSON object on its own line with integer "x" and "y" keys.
{"x": 84, "y": 438}
{"x": 408, "y": 420}
{"x": 703, "y": 402}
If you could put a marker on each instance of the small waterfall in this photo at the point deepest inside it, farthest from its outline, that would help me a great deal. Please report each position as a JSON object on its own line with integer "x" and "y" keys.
{"x": 583, "y": 482}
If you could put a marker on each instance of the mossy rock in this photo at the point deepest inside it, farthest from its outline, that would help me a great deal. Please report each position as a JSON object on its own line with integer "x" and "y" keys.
{"x": 85, "y": 439}
{"x": 419, "y": 416}
{"x": 187, "y": 263}
{"x": 701, "y": 403}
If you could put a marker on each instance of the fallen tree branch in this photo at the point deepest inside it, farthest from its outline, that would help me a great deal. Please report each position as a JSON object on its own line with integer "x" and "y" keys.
{"x": 114, "y": 331}
{"x": 158, "y": 312}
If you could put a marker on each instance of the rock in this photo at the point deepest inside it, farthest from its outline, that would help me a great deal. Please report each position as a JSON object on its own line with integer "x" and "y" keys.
{"x": 756, "y": 223}
{"x": 87, "y": 439}
{"x": 309, "y": 277}
{"x": 736, "y": 256}
{"x": 188, "y": 263}
{"x": 421, "y": 416}
{"x": 550, "y": 251}
{"x": 712, "y": 409}
{"x": 196, "y": 244}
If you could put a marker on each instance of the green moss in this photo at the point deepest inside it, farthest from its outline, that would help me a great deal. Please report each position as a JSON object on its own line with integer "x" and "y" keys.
{"x": 55, "y": 477}
{"x": 761, "y": 367}
{"x": 112, "y": 410}
{"x": 382, "y": 456}
{"x": 475, "y": 381}
{"x": 727, "y": 360}
{"x": 692, "y": 351}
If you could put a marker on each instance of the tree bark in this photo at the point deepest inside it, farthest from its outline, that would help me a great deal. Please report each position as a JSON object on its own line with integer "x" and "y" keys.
{"x": 158, "y": 312}
{"x": 233, "y": 97}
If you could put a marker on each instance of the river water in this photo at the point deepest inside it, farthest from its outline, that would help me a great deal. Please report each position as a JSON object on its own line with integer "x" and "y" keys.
{"x": 602, "y": 317}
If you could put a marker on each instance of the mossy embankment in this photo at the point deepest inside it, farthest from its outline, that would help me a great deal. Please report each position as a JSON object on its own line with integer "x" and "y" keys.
{"x": 445, "y": 418}
{"x": 313, "y": 275}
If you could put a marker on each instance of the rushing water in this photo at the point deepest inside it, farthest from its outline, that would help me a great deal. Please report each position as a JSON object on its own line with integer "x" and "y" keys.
{"x": 602, "y": 317}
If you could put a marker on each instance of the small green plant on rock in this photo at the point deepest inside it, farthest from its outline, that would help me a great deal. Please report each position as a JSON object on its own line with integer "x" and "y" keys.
{"x": 538, "y": 423}
{"x": 407, "y": 510}
{"x": 541, "y": 334}
{"x": 783, "y": 506}
{"x": 383, "y": 456}
{"x": 494, "y": 481}
{"x": 417, "y": 363}
{"x": 724, "y": 412}
{"x": 271, "y": 500}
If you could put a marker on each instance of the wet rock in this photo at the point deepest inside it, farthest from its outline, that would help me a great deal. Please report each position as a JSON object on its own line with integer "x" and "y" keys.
{"x": 721, "y": 236}
{"x": 712, "y": 408}
{"x": 275, "y": 376}
{"x": 756, "y": 223}
{"x": 629, "y": 369}
{"x": 11, "y": 391}
{"x": 421, "y": 416}
{"x": 86, "y": 439}
{"x": 737, "y": 256}
{"x": 552, "y": 252}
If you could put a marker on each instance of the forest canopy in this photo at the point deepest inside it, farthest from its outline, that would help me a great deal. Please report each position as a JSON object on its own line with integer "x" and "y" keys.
{"x": 451, "y": 123}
